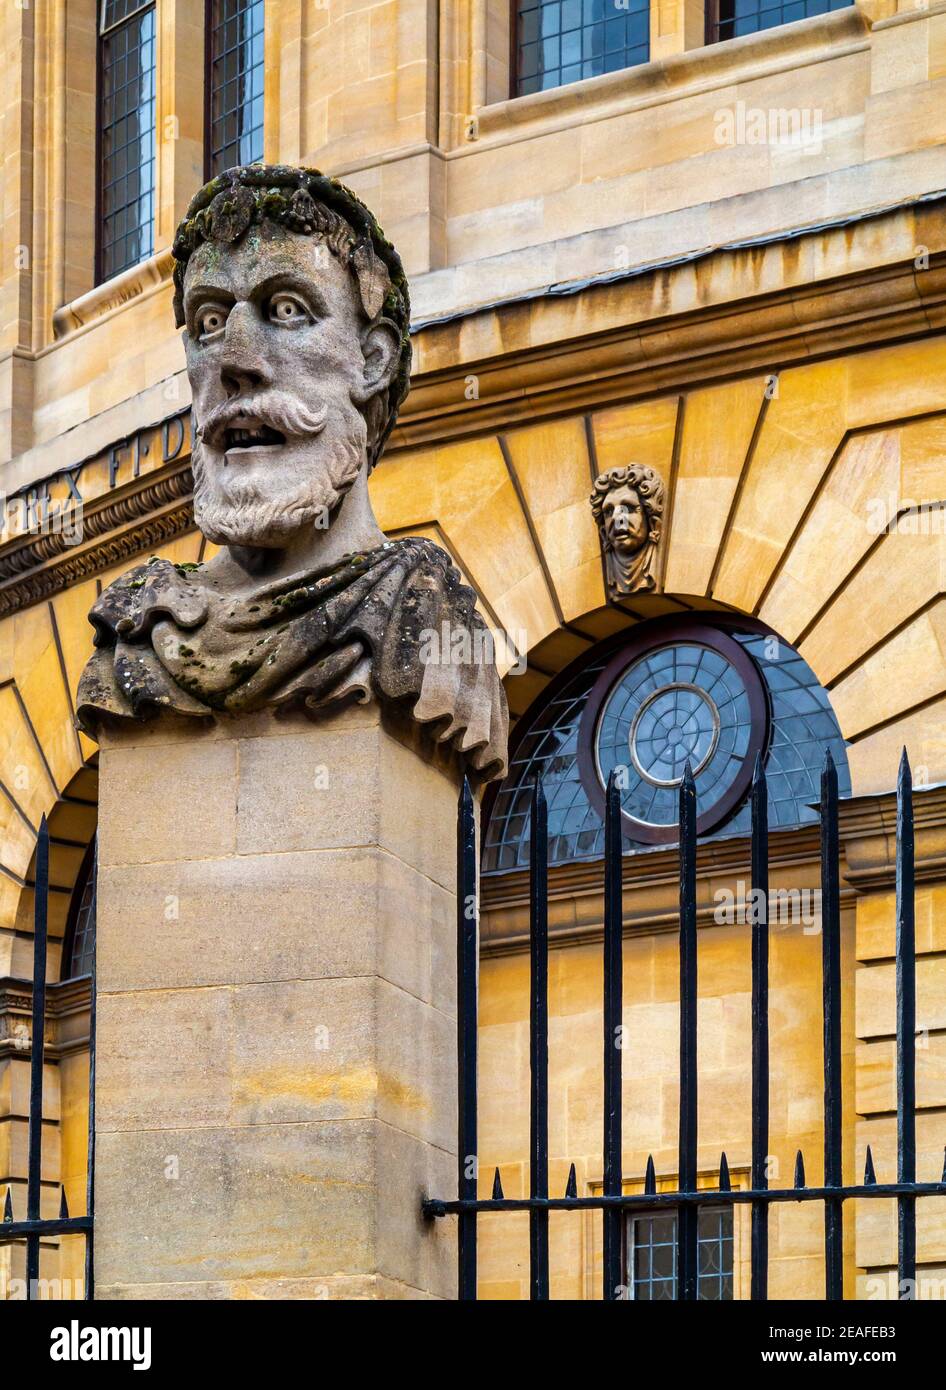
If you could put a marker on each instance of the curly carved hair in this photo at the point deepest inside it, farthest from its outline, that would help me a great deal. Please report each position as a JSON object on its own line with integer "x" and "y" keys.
{"x": 646, "y": 482}
{"x": 313, "y": 204}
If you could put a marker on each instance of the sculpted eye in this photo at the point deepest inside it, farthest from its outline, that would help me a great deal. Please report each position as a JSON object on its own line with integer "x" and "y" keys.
{"x": 286, "y": 308}
{"x": 211, "y": 320}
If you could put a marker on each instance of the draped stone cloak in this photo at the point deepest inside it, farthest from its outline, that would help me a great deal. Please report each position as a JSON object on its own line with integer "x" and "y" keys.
{"x": 395, "y": 623}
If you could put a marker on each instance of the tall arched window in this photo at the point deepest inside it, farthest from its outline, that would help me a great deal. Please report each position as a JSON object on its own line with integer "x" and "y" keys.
{"x": 78, "y": 948}
{"x": 717, "y": 694}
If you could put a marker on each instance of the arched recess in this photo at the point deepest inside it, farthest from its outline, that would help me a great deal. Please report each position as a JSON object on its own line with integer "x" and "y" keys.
{"x": 71, "y": 821}
{"x": 716, "y": 689}
{"x": 48, "y": 768}
{"x": 812, "y": 498}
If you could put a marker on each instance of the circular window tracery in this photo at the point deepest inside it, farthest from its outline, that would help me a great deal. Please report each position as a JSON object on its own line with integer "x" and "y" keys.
{"x": 791, "y": 723}
{"x": 659, "y": 704}
{"x": 677, "y": 724}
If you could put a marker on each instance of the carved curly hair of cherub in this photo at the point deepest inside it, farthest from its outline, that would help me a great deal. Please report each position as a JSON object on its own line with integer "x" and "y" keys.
{"x": 648, "y": 485}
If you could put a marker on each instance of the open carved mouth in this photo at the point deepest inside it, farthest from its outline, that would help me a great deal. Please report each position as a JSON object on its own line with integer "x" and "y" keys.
{"x": 261, "y": 436}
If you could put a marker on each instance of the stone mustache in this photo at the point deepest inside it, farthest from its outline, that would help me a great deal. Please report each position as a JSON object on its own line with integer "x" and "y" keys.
{"x": 295, "y": 313}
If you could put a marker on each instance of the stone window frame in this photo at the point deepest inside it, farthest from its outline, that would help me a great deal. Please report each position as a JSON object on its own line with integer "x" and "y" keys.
{"x": 121, "y": 37}
{"x": 633, "y": 1214}
{"x": 68, "y": 229}
{"x": 667, "y": 1181}
{"x": 477, "y": 79}
{"x": 477, "y": 48}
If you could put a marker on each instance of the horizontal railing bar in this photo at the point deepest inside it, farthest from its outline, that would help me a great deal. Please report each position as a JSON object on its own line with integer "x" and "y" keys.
{"x": 712, "y": 1197}
{"x": 56, "y": 1226}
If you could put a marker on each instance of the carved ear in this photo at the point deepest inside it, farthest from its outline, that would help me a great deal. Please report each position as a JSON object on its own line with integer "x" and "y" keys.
{"x": 381, "y": 347}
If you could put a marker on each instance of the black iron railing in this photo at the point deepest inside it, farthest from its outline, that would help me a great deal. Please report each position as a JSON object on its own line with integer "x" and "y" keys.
{"x": 612, "y": 1202}
{"x": 35, "y": 1227}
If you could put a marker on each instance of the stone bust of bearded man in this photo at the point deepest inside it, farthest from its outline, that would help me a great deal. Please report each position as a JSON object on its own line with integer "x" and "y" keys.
{"x": 295, "y": 313}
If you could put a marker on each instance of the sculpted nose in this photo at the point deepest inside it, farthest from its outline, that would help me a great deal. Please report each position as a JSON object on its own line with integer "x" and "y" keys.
{"x": 243, "y": 366}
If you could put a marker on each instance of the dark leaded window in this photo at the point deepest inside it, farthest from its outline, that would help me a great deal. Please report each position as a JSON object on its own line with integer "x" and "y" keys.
{"x": 652, "y": 1255}
{"x": 78, "y": 951}
{"x": 235, "y": 87}
{"x": 559, "y": 41}
{"x": 671, "y": 691}
{"x": 734, "y": 17}
{"x": 127, "y": 135}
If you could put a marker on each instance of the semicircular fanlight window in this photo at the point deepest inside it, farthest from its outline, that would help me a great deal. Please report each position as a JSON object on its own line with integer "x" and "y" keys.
{"x": 678, "y": 700}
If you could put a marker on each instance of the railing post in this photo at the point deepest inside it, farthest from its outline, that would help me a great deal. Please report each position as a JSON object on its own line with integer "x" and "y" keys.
{"x": 37, "y": 1050}
{"x": 906, "y": 1033}
{"x": 539, "y": 1045}
{"x": 831, "y": 1007}
{"x": 467, "y": 964}
{"x": 688, "y": 1219}
{"x": 90, "y": 1159}
{"x": 612, "y": 1217}
{"x": 760, "y": 1030}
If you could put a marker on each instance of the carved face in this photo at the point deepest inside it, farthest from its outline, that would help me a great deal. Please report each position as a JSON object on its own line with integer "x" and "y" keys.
{"x": 280, "y": 357}
{"x": 625, "y": 521}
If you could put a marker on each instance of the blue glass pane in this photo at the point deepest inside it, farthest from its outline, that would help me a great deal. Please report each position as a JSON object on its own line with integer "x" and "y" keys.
{"x": 737, "y": 17}
{"x": 652, "y": 1255}
{"x": 577, "y": 39}
{"x": 127, "y": 139}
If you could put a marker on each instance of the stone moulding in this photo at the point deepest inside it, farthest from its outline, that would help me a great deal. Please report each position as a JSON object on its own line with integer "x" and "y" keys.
{"x": 157, "y": 511}
{"x": 112, "y": 296}
{"x": 694, "y": 72}
{"x": 68, "y": 1003}
{"x": 634, "y": 349}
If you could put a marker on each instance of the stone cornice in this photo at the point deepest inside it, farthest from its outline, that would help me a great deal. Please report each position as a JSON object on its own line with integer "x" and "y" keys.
{"x": 68, "y": 1007}
{"x": 634, "y": 354}
{"x": 610, "y": 340}
{"x": 139, "y": 517}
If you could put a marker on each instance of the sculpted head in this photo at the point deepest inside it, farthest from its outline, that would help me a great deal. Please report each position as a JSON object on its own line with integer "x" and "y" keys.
{"x": 295, "y": 313}
{"x": 627, "y": 504}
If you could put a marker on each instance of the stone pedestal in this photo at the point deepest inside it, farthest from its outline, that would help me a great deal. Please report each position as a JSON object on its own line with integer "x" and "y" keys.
{"x": 276, "y": 1068}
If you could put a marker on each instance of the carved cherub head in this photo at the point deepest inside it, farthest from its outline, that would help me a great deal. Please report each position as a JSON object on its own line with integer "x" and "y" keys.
{"x": 627, "y": 505}
{"x": 295, "y": 312}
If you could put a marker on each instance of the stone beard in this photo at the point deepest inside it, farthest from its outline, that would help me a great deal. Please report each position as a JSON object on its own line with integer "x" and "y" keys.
{"x": 627, "y": 505}
{"x": 237, "y": 509}
{"x": 295, "y": 313}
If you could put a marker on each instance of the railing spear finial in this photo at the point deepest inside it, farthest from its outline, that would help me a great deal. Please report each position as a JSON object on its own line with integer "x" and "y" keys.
{"x": 870, "y": 1177}
{"x": 725, "y": 1184}
{"x": 799, "y": 1170}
